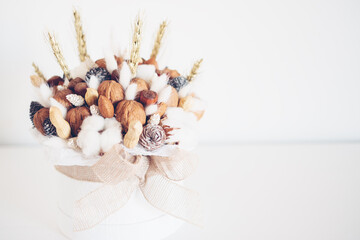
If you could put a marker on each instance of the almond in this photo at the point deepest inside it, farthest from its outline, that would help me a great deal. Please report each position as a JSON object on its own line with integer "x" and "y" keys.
{"x": 106, "y": 108}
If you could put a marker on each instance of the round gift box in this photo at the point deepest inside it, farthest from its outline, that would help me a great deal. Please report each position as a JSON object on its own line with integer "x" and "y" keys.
{"x": 137, "y": 220}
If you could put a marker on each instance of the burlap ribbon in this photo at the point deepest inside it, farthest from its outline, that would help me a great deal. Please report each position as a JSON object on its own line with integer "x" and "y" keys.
{"x": 121, "y": 173}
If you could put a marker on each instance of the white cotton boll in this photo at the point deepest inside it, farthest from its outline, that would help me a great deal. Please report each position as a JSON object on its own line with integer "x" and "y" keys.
{"x": 89, "y": 142}
{"x": 94, "y": 122}
{"x": 164, "y": 95}
{"x": 177, "y": 117}
{"x": 45, "y": 94}
{"x": 111, "y": 123}
{"x": 131, "y": 91}
{"x": 185, "y": 90}
{"x": 109, "y": 138}
{"x": 111, "y": 63}
{"x": 197, "y": 105}
{"x": 125, "y": 75}
{"x": 54, "y": 103}
{"x": 93, "y": 82}
{"x": 146, "y": 72}
{"x": 159, "y": 83}
{"x": 151, "y": 109}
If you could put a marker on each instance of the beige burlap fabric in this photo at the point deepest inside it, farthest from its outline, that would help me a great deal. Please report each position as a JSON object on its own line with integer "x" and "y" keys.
{"x": 121, "y": 173}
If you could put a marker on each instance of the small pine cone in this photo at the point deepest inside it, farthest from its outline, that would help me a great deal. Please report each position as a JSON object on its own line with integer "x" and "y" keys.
{"x": 178, "y": 82}
{"x": 34, "y": 107}
{"x": 101, "y": 73}
{"x": 152, "y": 137}
{"x": 49, "y": 128}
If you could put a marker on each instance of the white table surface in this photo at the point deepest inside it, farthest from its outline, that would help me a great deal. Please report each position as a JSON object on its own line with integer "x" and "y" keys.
{"x": 250, "y": 192}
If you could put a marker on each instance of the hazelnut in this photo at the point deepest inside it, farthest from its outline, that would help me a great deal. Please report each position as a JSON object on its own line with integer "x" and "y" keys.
{"x": 80, "y": 88}
{"x": 75, "y": 117}
{"x": 73, "y": 82}
{"x": 148, "y": 97}
{"x": 60, "y": 96}
{"x": 39, "y": 118}
{"x": 55, "y": 81}
{"x": 128, "y": 111}
{"x": 111, "y": 90}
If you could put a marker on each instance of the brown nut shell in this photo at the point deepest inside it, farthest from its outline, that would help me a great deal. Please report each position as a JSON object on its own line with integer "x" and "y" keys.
{"x": 55, "y": 81}
{"x": 80, "y": 88}
{"x": 39, "y": 118}
{"x": 73, "y": 83}
{"x": 151, "y": 61}
{"x": 60, "y": 96}
{"x": 173, "y": 99}
{"x": 148, "y": 97}
{"x": 106, "y": 108}
{"x": 111, "y": 90}
{"x": 128, "y": 111}
{"x": 75, "y": 117}
{"x": 161, "y": 109}
{"x": 101, "y": 63}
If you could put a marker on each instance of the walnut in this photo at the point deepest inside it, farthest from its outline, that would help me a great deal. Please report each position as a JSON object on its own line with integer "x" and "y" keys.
{"x": 60, "y": 96}
{"x": 128, "y": 111}
{"x": 75, "y": 117}
{"x": 111, "y": 90}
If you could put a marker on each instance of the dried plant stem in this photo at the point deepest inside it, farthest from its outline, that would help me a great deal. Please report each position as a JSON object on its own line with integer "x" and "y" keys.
{"x": 159, "y": 37}
{"x": 38, "y": 72}
{"x": 135, "y": 48}
{"x": 194, "y": 70}
{"x": 80, "y": 37}
{"x": 59, "y": 57}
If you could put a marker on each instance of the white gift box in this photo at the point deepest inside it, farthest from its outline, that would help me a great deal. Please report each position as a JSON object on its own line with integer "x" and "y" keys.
{"x": 137, "y": 220}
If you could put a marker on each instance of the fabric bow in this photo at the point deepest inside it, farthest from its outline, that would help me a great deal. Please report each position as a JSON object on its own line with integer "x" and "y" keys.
{"x": 121, "y": 173}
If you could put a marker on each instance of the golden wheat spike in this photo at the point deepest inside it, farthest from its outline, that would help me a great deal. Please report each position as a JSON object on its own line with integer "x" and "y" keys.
{"x": 136, "y": 42}
{"x": 159, "y": 37}
{"x": 38, "y": 72}
{"x": 194, "y": 70}
{"x": 59, "y": 57}
{"x": 80, "y": 37}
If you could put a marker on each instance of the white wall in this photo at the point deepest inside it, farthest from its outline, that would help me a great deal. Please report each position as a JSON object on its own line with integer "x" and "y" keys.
{"x": 273, "y": 70}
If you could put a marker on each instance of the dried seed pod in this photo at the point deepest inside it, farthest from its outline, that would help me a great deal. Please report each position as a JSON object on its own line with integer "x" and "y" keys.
{"x": 152, "y": 137}
{"x": 80, "y": 88}
{"x": 60, "y": 96}
{"x": 106, "y": 108}
{"x": 75, "y": 117}
{"x": 169, "y": 72}
{"x": 55, "y": 81}
{"x": 63, "y": 129}
{"x": 100, "y": 73}
{"x": 34, "y": 107}
{"x": 148, "y": 97}
{"x": 39, "y": 119}
{"x": 128, "y": 111}
{"x": 178, "y": 82}
{"x": 131, "y": 138}
{"x": 36, "y": 81}
{"x": 91, "y": 96}
{"x": 152, "y": 61}
{"x": 111, "y": 90}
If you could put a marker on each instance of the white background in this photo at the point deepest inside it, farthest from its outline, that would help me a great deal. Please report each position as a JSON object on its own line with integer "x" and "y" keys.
{"x": 273, "y": 70}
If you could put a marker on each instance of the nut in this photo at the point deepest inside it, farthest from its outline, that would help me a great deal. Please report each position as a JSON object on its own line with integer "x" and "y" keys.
{"x": 39, "y": 117}
{"x": 55, "y": 81}
{"x": 132, "y": 136}
{"x": 105, "y": 107}
{"x": 60, "y": 96}
{"x": 36, "y": 81}
{"x": 91, "y": 96}
{"x": 101, "y": 63}
{"x": 111, "y": 90}
{"x": 63, "y": 129}
{"x": 128, "y": 111}
{"x": 73, "y": 83}
{"x": 80, "y": 88}
{"x": 141, "y": 84}
{"x": 115, "y": 75}
{"x": 75, "y": 117}
{"x": 173, "y": 99}
{"x": 161, "y": 108}
{"x": 148, "y": 97}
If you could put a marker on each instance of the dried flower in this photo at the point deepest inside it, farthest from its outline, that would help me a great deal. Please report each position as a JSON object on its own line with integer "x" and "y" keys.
{"x": 75, "y": 100}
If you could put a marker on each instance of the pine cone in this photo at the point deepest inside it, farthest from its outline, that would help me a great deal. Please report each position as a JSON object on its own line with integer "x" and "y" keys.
{"x": 152, "y": 137}
{"x": 101, "y": 73}
{"x": 49, "y": 128}
{"x": 34, "y": 107}
{"x": 178, "y": 82}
